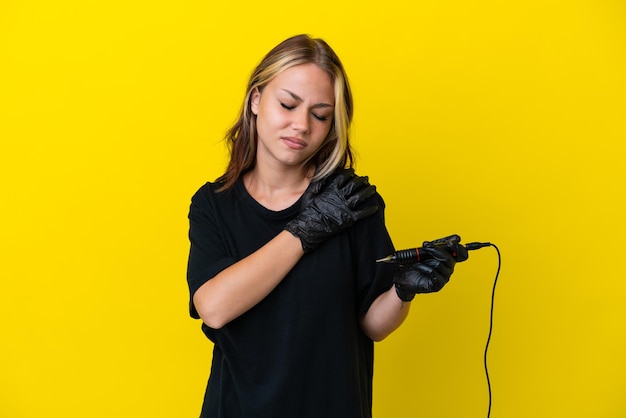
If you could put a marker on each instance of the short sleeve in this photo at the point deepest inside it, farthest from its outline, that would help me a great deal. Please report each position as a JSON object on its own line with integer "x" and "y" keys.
{"x": 372, "y": 242}
{"x": 207, "y": 254}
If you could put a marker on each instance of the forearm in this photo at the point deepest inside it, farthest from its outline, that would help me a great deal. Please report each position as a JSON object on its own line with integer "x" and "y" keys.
{"x": 244, "y": 284}
{"x": 385, "y": 315}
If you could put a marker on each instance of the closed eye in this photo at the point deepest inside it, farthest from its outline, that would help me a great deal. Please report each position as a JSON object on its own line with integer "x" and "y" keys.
{"x": 316, "y": 116}
{"x": 320, "y": 118}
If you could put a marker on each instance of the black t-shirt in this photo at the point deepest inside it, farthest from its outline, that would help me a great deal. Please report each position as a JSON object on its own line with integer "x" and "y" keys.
{"x": 299, "y": 352}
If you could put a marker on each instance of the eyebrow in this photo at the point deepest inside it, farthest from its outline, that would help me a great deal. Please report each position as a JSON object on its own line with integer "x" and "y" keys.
{"x": 298, "y": 98}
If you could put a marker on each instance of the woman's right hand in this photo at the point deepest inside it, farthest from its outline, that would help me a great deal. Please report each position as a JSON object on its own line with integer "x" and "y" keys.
{"x": 330, "y": 206}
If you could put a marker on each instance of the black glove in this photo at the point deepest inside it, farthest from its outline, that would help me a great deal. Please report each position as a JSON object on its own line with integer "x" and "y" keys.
{"x": 429, "y": 275}
{"x": 329, "y": 206}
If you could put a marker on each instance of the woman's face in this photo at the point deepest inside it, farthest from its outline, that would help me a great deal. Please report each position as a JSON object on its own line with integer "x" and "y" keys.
{"x": 294, "y": 115}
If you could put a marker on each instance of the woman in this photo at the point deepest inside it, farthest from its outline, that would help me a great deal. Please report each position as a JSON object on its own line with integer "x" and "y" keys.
{"x": 282, "y": 265}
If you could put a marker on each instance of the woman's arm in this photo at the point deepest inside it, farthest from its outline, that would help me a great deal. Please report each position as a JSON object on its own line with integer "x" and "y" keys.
{"x": 385, "y": 315}
{"x": 388, "y": 311}
{"x": 241, "y": 286}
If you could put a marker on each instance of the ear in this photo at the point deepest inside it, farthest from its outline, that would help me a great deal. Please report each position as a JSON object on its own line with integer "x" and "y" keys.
{"x": 255, "y": 98}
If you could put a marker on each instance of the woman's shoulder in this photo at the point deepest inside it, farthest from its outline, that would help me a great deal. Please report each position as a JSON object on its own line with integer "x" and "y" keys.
{"x": 214, "y": 188}
{"x": 209, "y": 193}
{"x": 376, "y": 197}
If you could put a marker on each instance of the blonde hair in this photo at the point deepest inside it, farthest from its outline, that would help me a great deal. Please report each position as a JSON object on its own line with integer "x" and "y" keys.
{"x": 335, "y": 151}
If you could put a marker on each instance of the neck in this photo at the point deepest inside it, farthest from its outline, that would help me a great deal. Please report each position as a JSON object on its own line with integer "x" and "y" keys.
{"x": 276, "y": 190}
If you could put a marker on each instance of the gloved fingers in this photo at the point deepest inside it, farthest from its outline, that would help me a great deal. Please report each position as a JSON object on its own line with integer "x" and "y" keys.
{"x": 330, "y": 184}
{"x": 439, "y": 280}
{"x": 421, "y": 267}
{"x": 360, "y": 196}
{"x": 441, "y": 261}
{"x": 435, "y": 272}
{"x": 432, "y": 267}
{"x": 340, "y": 177}
{"x": 365, "y": 212}
{"x": 439, "y": 253}
{"x": 316, "y": 186}
{"x": 313, "y": 190}
{"x": 354, "y": 184}
{"x": 419, "y": 279}
{"x": 328, "y": 207}
{"x": 439, "y": 266}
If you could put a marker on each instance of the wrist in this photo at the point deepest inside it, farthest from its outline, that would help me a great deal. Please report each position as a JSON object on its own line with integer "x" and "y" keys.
{"x": 403, "y": 294}
{"x": 295, "y": 233}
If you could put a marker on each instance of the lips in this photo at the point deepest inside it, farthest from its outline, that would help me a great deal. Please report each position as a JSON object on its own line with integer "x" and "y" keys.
{"x": 293, "y": 142}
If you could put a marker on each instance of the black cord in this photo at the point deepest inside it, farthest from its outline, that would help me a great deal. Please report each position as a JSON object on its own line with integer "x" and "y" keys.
{"x": 493, "y": 296}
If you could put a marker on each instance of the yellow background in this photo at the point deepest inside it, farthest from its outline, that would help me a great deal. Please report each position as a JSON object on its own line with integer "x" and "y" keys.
{"x": 498, "y": 121}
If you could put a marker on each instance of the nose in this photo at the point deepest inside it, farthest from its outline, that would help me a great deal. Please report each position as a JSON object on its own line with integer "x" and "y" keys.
{"x": 301, "y": 120}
